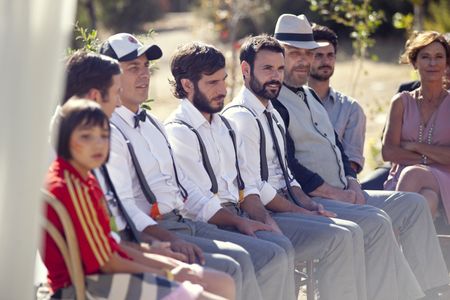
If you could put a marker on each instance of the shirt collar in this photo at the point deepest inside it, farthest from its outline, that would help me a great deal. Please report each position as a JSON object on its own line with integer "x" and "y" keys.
{"x": 252, "y": 102}
{"x": 126, "y": 114}
{"x": 61, "y": 163}
{"x": 331, "y": 95}
{"x": 193, "y": 115}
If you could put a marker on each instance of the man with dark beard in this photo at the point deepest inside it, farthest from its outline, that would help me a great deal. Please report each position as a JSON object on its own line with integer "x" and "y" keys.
{"x": 197, "y": 134}
{"x": 319, "y": 164}
{"x": 345, "y": 113}
{"x": 257, "y": 125}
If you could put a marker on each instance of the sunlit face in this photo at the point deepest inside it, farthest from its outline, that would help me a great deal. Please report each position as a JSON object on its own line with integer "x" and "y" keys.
{"x": 298, "y": 63}
{"x": 322, "y": 66}
{"x": 89, "y": 147}
{"x": 113, "y": 97}
{"x": 135, "y": 81}
{"x": 431, "y": 62}
{"x": 267, "y": 74}
{"x": 210, "y": 92}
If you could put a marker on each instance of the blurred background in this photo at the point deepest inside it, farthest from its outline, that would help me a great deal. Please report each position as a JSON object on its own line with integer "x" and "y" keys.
{"x": 371, "y": 38}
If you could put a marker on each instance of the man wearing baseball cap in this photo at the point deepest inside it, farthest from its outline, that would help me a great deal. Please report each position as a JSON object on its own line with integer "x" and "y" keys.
{"x": 320, "y": 165}
{"x": 145, "y": 174}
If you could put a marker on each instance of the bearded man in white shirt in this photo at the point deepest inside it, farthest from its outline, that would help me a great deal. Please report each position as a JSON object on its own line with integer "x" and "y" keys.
{"x": 147, "y": 176}
{"x": 313, "y": 147}
{"x": 210, "y": 153}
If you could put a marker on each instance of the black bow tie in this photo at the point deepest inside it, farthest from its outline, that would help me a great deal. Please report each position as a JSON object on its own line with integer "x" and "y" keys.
{"x": 139, "y": 117}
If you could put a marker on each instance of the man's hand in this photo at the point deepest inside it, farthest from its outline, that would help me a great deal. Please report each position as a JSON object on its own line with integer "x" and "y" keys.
{"x": 191, "y": 251}
{"x": 192, "y": 273}
{"x": 249, "y": 227}
{"x": 310, "y": 205}
{"x": 353, "y": 185}
{"x": 323, "y": 212}
{"x": 163, "y": 248}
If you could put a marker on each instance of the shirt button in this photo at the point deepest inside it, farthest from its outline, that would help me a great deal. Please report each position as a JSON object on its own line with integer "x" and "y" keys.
{"x": 315, "y": 123}
{"x": 324, "y": 134}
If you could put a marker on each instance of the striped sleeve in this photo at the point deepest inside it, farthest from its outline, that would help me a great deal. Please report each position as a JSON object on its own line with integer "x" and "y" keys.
{"x": 95, "y": 245}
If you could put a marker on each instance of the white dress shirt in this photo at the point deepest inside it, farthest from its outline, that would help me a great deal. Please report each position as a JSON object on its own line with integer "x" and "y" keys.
{"x": 221, "y": 154}
{"x": 247, "y": 128}
{"x": 155, "y": 159}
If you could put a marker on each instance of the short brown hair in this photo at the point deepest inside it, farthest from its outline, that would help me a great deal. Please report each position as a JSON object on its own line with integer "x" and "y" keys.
{"x": 88, "y": 70}
{"x": 419, "y": 40}
{"x": 191, "y": 61}
{"x": 254, "y": 44}
{"x": 74, "y": 113}
{"x": 324, "y": 33}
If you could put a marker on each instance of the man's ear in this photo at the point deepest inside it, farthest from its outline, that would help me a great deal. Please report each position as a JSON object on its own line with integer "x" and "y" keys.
{"x": 187, "y": 85}
{"x": 246, "y": 69}
{"x": 94, "y": 95}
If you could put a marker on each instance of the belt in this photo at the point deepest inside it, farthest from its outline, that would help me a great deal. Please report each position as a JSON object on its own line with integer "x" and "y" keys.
{"x": 174, "y": 214}
{"x": 233, "y": 207}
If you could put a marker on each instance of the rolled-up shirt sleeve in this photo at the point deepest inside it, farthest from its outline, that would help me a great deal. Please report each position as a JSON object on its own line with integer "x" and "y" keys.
{"x": 121, "y": 170}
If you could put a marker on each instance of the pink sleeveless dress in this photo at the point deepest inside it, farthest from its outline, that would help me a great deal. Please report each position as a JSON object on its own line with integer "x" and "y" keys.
{"x": 440, "y": 121}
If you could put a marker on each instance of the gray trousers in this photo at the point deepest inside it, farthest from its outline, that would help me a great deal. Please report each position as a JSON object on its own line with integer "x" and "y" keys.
{"x": 336, "y": 247}
{"x": 411, "y": 217}
{"x": 263, "y": 264}
{"x": 388, "y": 274}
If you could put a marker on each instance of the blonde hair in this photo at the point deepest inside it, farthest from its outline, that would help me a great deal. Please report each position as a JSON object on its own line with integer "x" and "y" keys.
{"x": 419, "y": 40}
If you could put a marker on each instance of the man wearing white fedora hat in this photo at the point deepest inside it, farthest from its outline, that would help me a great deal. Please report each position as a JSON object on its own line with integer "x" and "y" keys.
{"x": 318, "y": 161}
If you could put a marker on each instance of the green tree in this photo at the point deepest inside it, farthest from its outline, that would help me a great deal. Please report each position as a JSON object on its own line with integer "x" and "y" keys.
{"x": 360, "y": 17}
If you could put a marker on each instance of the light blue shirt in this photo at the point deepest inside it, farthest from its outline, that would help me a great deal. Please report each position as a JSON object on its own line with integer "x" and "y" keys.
{"x": 349, "y": 122}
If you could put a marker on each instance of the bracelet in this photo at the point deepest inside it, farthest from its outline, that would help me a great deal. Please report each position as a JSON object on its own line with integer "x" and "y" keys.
{"x": 169, "y": 274}
{"x": 424, "y": 159}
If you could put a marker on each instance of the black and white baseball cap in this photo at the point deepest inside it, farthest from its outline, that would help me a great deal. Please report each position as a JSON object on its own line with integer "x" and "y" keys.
{"x": 125, "y": 47}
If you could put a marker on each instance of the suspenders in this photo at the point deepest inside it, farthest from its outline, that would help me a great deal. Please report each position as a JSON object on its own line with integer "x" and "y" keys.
{"x": 205, "y": 157}
{"x": 149, "y": 195}
{"x": 264, "y": 169}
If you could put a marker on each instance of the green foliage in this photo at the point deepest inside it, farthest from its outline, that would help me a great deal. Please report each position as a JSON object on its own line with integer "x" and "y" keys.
{"x": 403, "y": 21}
{"x": 128, "y": 15}
{"x": 439, "y": 16}
{"x": 85, "y": 39}
{"x": 358, "y": 15}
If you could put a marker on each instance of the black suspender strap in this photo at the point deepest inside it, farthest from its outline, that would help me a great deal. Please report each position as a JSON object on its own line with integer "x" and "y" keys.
{"x": 151, "y": 198}
{"x": 270, "y": 119}
{"x": 130, "y": 224}
{"x": 240, "y": 182}
{"x": 205, "y": 158}
{"x": 183, "y": 191}
{"x": 264, "y": 169}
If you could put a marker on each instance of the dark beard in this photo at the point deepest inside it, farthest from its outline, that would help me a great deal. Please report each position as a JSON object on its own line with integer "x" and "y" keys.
{"x": 318, "y": 77}
{"x": 201, "y": 102}
{"x": 261, "y": 89}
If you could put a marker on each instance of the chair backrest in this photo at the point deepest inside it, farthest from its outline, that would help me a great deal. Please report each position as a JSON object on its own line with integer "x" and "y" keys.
{"x": 67, "y": 244}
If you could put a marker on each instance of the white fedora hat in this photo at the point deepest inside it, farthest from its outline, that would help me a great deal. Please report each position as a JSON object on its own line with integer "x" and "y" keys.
{"x": 296, "y": 31}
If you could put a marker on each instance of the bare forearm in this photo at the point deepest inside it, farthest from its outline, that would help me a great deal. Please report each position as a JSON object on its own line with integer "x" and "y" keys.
{"x": 399, "y": 155}
{"x": 253, "y": 206}
{"x": 150, "y": 259}
{"x": 117, "y": 264}
{"x": 281, "y": 204}
{"x": 325, "y": 191}
{"x": 437, "y": 154}
{"x": 223, "y": 217}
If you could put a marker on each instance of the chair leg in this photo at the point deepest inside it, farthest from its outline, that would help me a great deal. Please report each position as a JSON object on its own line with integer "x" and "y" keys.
{"x": 310, "y": 283}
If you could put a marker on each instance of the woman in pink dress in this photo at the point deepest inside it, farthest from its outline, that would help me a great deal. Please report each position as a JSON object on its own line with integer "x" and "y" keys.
{"x": 417, "y": 136}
